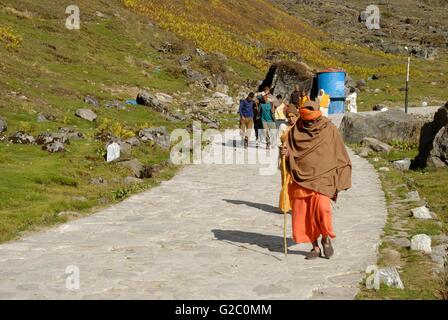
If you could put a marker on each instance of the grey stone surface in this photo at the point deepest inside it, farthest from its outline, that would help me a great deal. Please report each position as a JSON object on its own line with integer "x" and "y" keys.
{"x": 421, "y": 242}
{"x": 421, "y": 213}
{"x": 403, "y": 164}
{"x": 375, "y": 145}
{"x": 390, "y": 277}
{"x": 211, "y": 232}
{"x": 21, "y": 138}
{"x": 86, "y": 114}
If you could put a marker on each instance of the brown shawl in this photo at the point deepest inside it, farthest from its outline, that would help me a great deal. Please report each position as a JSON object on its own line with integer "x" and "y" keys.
{"x": 318, "y": 160}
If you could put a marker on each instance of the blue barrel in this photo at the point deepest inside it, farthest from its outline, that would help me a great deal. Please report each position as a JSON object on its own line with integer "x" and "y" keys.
{"x": 333, "y": 82}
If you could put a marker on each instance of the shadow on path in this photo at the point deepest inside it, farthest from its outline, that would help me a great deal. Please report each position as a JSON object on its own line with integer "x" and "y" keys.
{"x": 272, "y": 243}
{"x": 260, "y": 206}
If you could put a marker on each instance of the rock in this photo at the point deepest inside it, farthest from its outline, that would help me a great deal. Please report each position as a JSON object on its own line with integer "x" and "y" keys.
{"x": 44, "y": 118}
{"x": 166, "y": 47}
{"x": 138, "y": 169}
{"x": 86, "y": 114}
{"x": 132, "y": 180}
{"x": 147, "y": 99}
{"x": 384, "y": 169}
{"x": 54, "y": 147}
{"x": 21, "y": 138}
{"x": 390, "y": 277}
{"x": 134, "y": 142}
{"x": 3, "y": 125}
{"x": 421, "y": 213}
{"x": 388, "y": 126}
{"x": 125, "y": 149}
{"x": 376, "y": 145}
{"x": 100, "y": 14}
{"x": 413, "y": 196}
{"x": 115, "y": 104}
{"x": 184, "y": 60}
{"x": 159, "y": 136}
{"x": 438, "y": 156}
{"x": 427, "y": 143}
{"x": 421, "y": 242}
{"x": 402, "y": 165}
{"x": 97, "y": 181}
{"x": 285, "y": 75}
{"x": 364, "y": 152}
{"x": 91, "y": 100}
{"x": 71, "y": 134}
{"x": 113, "y": 152}
{"x": 193, "y": 75}
{"x": 48, "y": 137}
{"x": 164, "y": 98}
{"x": 223, "y": 88}
{"x": 391, "y": 256}
{"x": 212, "y": 123}
{"x": 400, "y": 242}
{"x": 379, "y": 107}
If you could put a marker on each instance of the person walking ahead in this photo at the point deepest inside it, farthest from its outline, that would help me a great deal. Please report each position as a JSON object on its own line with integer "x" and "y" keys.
{"x": 320, "y": 168}
{"x": 246, "y": 112}
{"x": 267, "y": 120}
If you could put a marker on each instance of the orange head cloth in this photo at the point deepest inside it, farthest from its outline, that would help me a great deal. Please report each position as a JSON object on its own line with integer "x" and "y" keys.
{"x": 310, "y": 111}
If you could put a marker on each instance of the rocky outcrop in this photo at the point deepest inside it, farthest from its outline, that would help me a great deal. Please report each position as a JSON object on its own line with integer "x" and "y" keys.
{"x": 21, "y": 138}
{"x": 388, "y": 126}
{"x": 433, "y": 142}
{"x": 147, "y": 99}
{"x": 158, "y": 136}
{"x": 284, "y": 75}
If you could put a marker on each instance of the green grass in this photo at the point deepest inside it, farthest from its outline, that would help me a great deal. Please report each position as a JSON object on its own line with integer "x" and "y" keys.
{"x": 416, "y": 267}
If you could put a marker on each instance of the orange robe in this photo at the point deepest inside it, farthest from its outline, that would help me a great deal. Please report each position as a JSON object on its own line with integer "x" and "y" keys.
{"x": 311, "y": 214}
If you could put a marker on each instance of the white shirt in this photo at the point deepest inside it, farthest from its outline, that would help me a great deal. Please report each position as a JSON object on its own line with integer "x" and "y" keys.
{"x": 351, "y": 102}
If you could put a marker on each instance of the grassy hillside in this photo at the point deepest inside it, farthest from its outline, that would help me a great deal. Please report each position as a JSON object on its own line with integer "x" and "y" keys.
{"x": 48, "y": 69}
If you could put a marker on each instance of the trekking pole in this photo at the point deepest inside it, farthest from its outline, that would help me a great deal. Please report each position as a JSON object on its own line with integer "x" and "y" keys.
{"x": 284, "y": 211}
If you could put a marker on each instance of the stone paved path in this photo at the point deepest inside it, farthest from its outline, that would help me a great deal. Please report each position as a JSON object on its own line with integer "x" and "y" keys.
{"x": 212, "y": 232}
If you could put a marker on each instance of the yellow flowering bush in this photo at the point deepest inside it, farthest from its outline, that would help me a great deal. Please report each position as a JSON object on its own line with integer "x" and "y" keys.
{"x": 9, "y": 38}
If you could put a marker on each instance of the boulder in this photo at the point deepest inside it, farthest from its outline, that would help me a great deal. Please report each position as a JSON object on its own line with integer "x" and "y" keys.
{"x": 138, "y": 169}
{"x": 164, "y": 98}
{"x": 86, "y": 114}
{"x": 438, "y": 156}
{"x": 21, "y": 138}
{"x": 134, "y": 142}
{"x": 421, "y": 213}
{"x": 192, "y": 75}
{"x": 45, "y": 117}
{"x": 159, "y": 136}
{"x": 390, "y": 277}
{"x": 115, "y": 104}
{"x": 413, "y": 196}
{"x": 48, "y": 137}
{"x": 147, "y": 99}
{"x": 71, "y": 134}
{"x": 132, "y": 180}
{"x": 388, "y": 126}
{"x": 54, "y": 147}
{"x": 376, "y": 145}
{"x": 3, "y": 125}
{"x": 402, "y": 165}
{"x": 427, "y": 142}
{"x": 91, "y": 100}
{"x": 421, "y": 242}
{"x": 284, "y": 75}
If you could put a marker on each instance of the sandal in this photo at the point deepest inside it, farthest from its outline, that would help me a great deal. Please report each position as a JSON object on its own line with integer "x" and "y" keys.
{"x": 314, "y": 254}
{"x": 328, "y": 248}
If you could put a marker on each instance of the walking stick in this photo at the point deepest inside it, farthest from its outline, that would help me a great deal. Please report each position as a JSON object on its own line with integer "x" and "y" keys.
{"x": 284, "y": 211}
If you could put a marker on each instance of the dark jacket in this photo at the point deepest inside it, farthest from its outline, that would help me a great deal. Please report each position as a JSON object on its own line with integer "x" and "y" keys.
{"x": 246, "y": 108}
